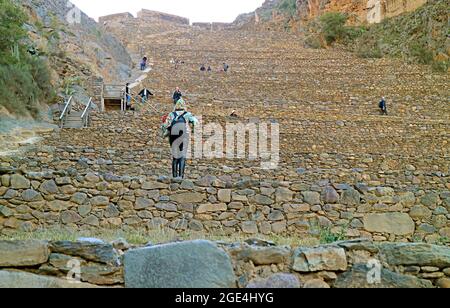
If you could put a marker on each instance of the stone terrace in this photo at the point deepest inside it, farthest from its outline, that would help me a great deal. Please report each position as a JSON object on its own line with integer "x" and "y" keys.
{"x": 324, "y": 100}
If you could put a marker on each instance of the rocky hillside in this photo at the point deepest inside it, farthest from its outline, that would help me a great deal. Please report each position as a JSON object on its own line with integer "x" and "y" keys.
{"x": 80, "y": 46}
{"x": 58, "y": 51}
{"x": 360, "y": 11}
{"x": 419, "y": 37}
{"x": 414, "y": 30}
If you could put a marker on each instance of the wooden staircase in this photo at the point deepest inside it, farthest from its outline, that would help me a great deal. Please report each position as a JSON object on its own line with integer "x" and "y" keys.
{"x": 73, "y": 120}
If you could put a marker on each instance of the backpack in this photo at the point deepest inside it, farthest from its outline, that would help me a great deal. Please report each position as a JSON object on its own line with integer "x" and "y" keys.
{"x": 178, "y": 119}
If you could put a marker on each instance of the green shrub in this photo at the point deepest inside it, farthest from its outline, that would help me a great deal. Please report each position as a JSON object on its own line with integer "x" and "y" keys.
{"x": 327, "y": 236}
{"x": 353, "y": 33}
{"x": 313, "y": 41}
{"x": 330, "y": 28}
{"x": 24, "y": 78}
{"x": 440, "y": 66}
{"x": 11, "y": 20}
{"x": 288, "y": 7}
{"x": 420, "y": 53}
{"x": 365, "y": 51}
{"x": 333, "y": 26}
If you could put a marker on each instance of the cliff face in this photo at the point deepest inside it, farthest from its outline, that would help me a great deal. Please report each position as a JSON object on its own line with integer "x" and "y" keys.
{"x": 359, "y": 11}
{"x": 80, "y": 47}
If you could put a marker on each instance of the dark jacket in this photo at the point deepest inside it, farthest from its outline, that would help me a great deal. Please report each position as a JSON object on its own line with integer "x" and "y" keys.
{"x": 177, "y": 95}
{"x": 145, "y": 93}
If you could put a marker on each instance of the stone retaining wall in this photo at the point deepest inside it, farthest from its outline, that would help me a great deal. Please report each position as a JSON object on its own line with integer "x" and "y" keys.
{"x": 204, "y": 264}
{"x": 148, "y": 15}
{"x": 115, "y": 18}
{"x": 89, "y": 200}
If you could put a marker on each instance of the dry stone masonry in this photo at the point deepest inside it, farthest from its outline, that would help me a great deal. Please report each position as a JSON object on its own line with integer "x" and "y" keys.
{"x": 205, "y": 264}
{"x": 221, "y": 204}
{"x": 343, "y": 169}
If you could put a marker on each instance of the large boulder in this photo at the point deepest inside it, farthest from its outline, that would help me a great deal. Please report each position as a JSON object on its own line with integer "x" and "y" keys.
{"x": 195, "y": 264}
{"x": 419, "y": 254}
{"x": 358, "y": 277}
{"x": 392, "y": 223}
{"x": 319, "y": 259}
{"x": 19, "y": 280}
{"x": 23, "y": 253}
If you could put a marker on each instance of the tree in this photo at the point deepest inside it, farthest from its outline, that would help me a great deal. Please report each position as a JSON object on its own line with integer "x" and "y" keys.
{"x": 12, "y": 19}
{"x": 333, "y": 26}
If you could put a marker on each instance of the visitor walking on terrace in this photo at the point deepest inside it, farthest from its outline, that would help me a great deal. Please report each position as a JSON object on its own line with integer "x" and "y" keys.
{"x": 144, "y": 63}
{"x": 176, "y": 127}
{"x": 145, "y": 95}
{"x": 383, "y": 106}
{"x": 127, "y": 97}
{"x": 177, "y": 95}
{"x": 226, "y": 67}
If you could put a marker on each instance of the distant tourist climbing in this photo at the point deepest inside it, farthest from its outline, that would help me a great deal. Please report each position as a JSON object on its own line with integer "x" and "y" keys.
{"x": 178, "y": 63}
{"x": 383, "y": 106}
{"x": 144, "y": 63}
{"x": 203, "y": 68}
{"x": 176, "y": 128}
{"x": 127, "y": 96}
{"x": 209, "y": 69}
{"x": 226, "y": 67}
{"x": 177, "y": 95}
{"x": 145, "y": 95}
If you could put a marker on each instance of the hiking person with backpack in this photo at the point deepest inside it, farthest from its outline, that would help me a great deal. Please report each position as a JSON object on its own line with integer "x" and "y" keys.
{"x": 383, "y": 106}
{"x": 176, "y": 128}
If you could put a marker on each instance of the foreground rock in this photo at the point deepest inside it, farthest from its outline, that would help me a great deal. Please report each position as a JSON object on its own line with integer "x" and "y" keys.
{"x": 357, "y": 277}
{"x": 27, "y": 253}
{"x": 9, "y": 279}
{"x": 196, "y": 264}
{"x": 416, "y": 254}
{"x": 320, "y": 259}
{"x": 276, "y": 281}
{"x": 261, "y": 255}
{"x": 97, "y": 252}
